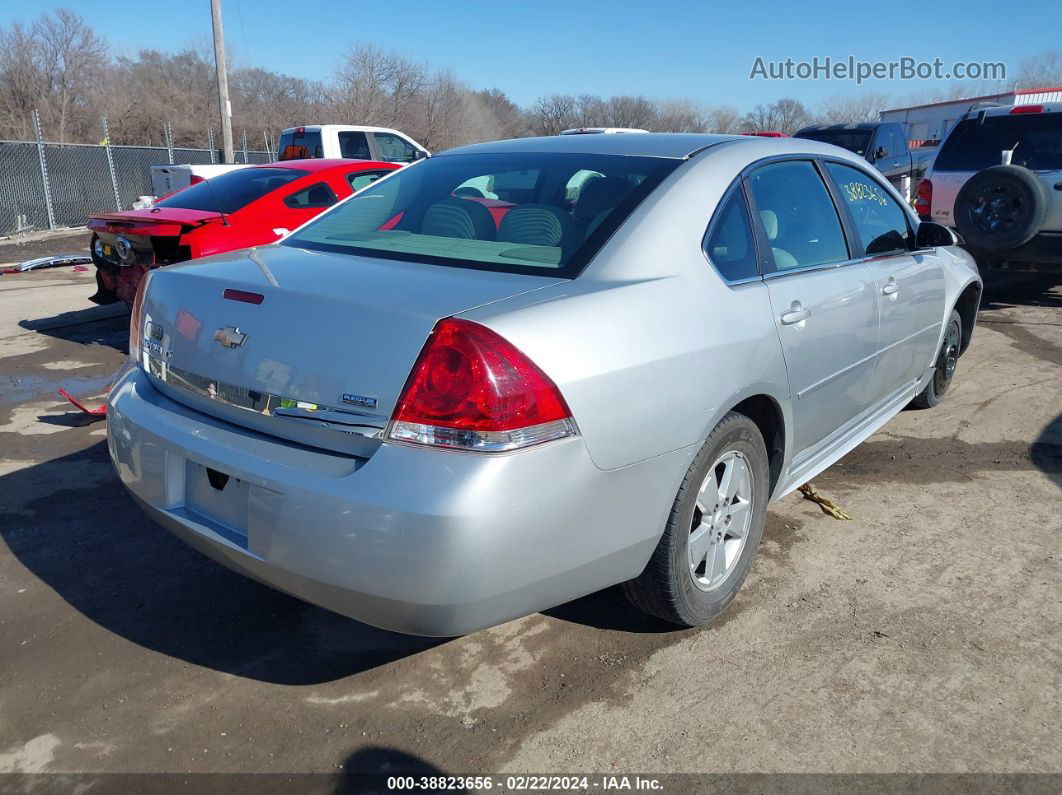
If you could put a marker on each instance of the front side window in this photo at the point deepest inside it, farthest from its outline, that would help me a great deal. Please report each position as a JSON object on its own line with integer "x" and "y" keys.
{"x": 393, "y": 148}
{"x": 317, "y": 195}
{"x": 233, "y": 190}
{"x": 1035, "y": 138}
{"x": 502, "y": 212}
{"x": 730, "y": 244}
{"x": 300, "y": 144}
{"x": 798, "y": 215}
{"x": 880, "y": 221}
{"x": 353, "y": 145}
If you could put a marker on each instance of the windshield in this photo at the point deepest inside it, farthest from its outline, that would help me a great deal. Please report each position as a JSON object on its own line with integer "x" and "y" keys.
{"x": 853, "y": 140}
{"x": 518, "y": 213}
{"x": 231, "y": 191}
{"x": 1035, "y": 138}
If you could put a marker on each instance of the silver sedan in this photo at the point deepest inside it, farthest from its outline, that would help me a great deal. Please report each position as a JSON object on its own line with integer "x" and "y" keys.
{"x": 523, "y": 371}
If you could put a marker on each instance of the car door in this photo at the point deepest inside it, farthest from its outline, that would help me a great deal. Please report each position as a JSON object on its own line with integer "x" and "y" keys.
{"x": 910, "y": 284}
{"x": 824, "y": 302}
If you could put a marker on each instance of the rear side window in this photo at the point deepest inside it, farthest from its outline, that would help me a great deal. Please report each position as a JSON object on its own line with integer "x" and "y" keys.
{"x": 880, "y": 222}
{"x": 394, "y": 149}
{"x": 798, "y": 215}
{"x": 317, "y": 195}
{"x": 299, "y": 145}
{"x": 354, "y": 145}
{"x": 363, "y": 179}
{"x": 729, "y": 244}
{"x": 1035, "y": 138}
{"x": 233, "y": 190}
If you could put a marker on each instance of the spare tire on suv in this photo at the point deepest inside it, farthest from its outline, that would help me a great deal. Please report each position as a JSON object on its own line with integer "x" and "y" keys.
{"x": 1001, "y": 208}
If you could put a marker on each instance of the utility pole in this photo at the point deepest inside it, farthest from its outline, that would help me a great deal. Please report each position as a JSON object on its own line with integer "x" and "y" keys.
{"x": 223, "y": 82}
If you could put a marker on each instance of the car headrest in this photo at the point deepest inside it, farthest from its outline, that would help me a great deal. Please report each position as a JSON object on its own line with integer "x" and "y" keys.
{"x": 600, "y": 194}
{"x": 537, "y": 225}
{"x": 459, "y": 218}
{"x": 770, "y": 223}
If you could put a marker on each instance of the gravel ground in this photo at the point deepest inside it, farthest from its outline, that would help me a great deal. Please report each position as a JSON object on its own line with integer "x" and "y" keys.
{"x": 924, "y": 636}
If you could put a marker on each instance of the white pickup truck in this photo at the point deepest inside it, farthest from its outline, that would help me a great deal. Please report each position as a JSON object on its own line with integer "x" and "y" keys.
{"x": 337, "y": 141}
{"x": 348, "y": 142}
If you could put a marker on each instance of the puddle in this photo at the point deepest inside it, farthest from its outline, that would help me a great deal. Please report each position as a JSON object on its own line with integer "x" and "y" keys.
{"x": 20, "y": 387}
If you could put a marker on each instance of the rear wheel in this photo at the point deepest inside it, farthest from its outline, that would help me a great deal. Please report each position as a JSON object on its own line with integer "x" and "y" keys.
{"x": 713, "y": 530}
{"x": 944, "y": 370}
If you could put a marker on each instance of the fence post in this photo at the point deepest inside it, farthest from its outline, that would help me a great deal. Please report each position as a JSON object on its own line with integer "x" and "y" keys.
{"x": 169, "y": 142}
{"x": 44, "y": 169}
{"x": 210, "y": 145}
{"x": 110, "y": 164}
{"x": 246, "y": 159}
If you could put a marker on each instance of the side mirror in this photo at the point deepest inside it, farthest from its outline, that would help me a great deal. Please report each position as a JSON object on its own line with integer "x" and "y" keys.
{"x": 880, "y": 153}
{"x": 932, "y": 235}
{"x": 418, "y": 154}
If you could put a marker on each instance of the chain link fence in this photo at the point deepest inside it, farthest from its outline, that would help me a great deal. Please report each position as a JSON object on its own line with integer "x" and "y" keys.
{"x": 48, "y": 185}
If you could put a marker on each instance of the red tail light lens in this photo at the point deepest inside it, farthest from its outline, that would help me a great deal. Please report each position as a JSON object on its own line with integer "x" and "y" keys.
{"x": 136, "y": 320}
{"x": 924, "y": 201}
{"x": 472, "y": 389}
{"x": 195, "y": 179}
{"x": 1027, "y": 109}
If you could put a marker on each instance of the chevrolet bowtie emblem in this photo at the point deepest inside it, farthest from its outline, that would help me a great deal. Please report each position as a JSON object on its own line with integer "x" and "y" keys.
{"x": 230, "y": 337}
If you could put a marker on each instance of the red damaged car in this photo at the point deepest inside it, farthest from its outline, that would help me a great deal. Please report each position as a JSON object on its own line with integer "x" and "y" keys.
{"x": 245, "y": 207}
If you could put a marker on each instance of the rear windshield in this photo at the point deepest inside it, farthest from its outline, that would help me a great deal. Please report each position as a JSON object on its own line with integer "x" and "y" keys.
{"x": 299, "y": 144}
{"x": 853, "y": 140}
{"x": 518, "y": 213}
{"x": 1036, "y": 139}
{"x": 233, "y": 190}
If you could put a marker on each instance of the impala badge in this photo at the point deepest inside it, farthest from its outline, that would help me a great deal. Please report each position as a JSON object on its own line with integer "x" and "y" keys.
{"x": 230, "y": 337}
{"x": 362, "y": 401}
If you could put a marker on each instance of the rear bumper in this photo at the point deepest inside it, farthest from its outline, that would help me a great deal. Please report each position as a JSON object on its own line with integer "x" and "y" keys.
{"x": 414, "y": 540}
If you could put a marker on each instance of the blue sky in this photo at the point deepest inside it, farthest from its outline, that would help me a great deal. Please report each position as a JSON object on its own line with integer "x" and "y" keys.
{"x": 667, "y": 48}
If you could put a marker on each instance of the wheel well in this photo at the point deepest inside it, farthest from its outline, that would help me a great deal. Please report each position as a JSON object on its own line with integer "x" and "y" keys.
{"x": 767, "y": 415}
{"x": 966, "y": 306}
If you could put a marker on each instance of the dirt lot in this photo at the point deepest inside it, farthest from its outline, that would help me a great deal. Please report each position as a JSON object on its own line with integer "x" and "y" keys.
{"x": 924, "y": 636}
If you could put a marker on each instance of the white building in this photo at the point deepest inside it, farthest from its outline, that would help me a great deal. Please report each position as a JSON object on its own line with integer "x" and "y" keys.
{"x": 926, "y": 125}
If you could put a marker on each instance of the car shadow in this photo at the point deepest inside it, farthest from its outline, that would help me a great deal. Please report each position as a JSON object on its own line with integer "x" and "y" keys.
{"x": 97, "y": 550}
{"x": 93, "y": 325}
{"x": 1046, "y": 450}
{"x": 1005, "y": 289}
{"x": 367, "y": 771}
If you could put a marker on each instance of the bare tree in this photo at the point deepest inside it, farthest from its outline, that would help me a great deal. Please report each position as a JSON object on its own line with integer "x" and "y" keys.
{"x": 854, "y": 108}
{"x": 1041, "y": 71}
{"x": 786, "y": 115}
{"x": 550, "y": 115}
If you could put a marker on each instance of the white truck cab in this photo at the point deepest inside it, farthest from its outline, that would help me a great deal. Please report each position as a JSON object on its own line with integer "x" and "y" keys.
{"x": 349, "y": 142}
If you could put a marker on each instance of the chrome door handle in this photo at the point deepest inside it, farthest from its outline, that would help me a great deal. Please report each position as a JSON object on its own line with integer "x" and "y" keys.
{"x": 795, "y": 315}
{"x": 890, "y": 289}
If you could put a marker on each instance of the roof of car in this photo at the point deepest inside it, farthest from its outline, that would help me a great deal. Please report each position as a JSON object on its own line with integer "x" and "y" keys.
{"x": 313, "y": 164}
{"x": 855, "y": 125}
{"x": 673, "y": 145}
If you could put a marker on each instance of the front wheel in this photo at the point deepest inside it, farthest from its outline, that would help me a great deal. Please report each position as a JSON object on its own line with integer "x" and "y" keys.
{"x": 944, "y": 370}
{"x": 713, "y": 530}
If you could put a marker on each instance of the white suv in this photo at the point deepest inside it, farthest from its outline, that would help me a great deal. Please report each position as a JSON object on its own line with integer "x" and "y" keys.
{"x": 997, "y": 179}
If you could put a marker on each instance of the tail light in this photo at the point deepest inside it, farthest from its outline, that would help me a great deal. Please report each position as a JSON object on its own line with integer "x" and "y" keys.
{"x": 136, "y": 320}
{"x": 471, "y": 389}
{"x": 924, "y": 200}
{"x": 195, "y": 179}
{"x": 1027, "y": 109}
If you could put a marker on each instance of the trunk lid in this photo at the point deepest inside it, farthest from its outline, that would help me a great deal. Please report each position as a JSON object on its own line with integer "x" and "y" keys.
{"x": 156, "y": 222}
{"x": 310, "y": 346}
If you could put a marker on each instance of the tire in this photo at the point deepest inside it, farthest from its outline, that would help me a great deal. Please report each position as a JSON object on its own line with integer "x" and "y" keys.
{"x": 103, "y": 295}
{"x": 944, "y": 369}
{"x": 1001, "y": 208}
{"x": 670, "y": 588}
